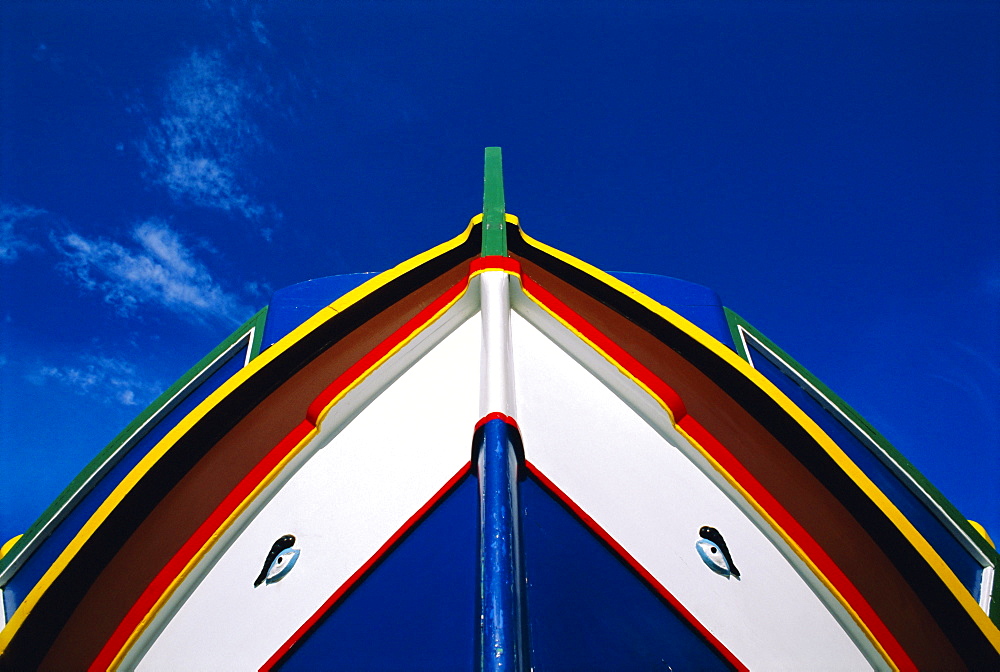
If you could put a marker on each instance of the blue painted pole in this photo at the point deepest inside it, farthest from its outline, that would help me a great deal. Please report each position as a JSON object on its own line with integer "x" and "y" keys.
{"x": 500, "y": 633}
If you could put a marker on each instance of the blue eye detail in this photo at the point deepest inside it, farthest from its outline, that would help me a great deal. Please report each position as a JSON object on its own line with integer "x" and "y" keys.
{"x": 713, "y": 550}
{"x": 281, "y": 565}
{"x": 713, "y": 557}
{"x": 280, "y": 560}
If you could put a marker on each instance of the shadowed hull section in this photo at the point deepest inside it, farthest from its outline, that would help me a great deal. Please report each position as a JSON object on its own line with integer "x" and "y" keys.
{"x": 587, "y": 610}
{"x": 432, "y": 570}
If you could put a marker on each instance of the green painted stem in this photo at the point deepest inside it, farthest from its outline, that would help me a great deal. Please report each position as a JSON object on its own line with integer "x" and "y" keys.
{"x": 494, "y": 212}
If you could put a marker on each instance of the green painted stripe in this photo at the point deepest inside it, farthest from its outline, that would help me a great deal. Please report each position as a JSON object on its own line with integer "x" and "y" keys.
{"x": 735, "y": 322}
{"x": 256, "y": 322}
{"x": 494, "y": 226}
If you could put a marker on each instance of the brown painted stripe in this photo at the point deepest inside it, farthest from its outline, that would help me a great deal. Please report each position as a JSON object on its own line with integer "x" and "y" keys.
{"x": 85, "y": 603}
{"x": 821, "y": 514}
{"x": 958, "y": 624}
{"x": 200, "y": 491}
{"x": 732, "y": 467}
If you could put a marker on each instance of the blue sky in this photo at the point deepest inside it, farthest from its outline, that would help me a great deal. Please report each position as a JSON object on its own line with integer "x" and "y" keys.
{"x": 831, "y": 169}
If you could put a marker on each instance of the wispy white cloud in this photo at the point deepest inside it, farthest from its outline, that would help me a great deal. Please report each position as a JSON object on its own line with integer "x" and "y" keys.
{"x": 13, "y": 220}
{"x": 198, "y": 148}
{"x": 105, "y": 378}
{"x": 159, "y": 269}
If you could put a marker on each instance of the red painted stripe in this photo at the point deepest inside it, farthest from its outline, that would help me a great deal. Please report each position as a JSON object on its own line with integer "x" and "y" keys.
{"x": 504, "y": 263}
{"x": 741, "y": 474}
{"x": 803, "y": 539}
{"x": 498, "y": 416}
{"x": 627, "y": 558}
{"x": 179, "y": 561}
{"x": 363, "y": 571}
{"x": 383, "y": 349}
{"x": 162, "y": 581}
{"x": 613, "y": 350}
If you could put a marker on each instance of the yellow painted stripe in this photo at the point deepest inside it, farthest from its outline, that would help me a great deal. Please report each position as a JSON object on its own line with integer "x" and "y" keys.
{"x": 182, "y": 427}
{"x": 625, "y": 372}
{"x": 196, "y": 559}
{"x": 922, "y": 546}
{"x": 9, "y": 544}
{"x": 729, "y": 479}
{"x": 976, "y": 526}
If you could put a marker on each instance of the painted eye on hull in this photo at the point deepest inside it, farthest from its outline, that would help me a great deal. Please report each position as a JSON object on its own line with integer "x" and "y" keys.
{"x": 713, "y": 557}
{"x": 281, "y": 565}
{"x": 280, "y": 560}
{"x": 713, "y": 550}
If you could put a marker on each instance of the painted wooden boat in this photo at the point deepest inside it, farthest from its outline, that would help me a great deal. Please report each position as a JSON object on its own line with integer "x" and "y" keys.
{"x": 497, "y": 456}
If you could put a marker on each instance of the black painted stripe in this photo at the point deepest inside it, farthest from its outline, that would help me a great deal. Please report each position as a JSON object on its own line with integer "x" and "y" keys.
{"x": 969, "y": 641}
{"x": 55, "y": 607}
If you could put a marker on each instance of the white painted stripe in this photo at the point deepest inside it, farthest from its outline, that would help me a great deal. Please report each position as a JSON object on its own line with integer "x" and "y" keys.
{"x": 986, "y": 588}
{"x": 244, "y": 341}
{"x": 616, "y": 454}
{"x": 496, "y": 365}
{"x": 380, "y": 455}
{"x": 904, "y": 476}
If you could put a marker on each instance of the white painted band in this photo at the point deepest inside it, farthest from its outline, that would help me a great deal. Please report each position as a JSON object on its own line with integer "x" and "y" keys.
{"x": 496, "y": 391}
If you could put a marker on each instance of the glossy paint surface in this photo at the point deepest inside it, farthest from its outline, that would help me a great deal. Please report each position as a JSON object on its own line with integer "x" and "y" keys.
{"x": 698, "y": 304}
{"x": 587, "y": 610}
{"x": 291, "y": 306}
{"x": 349, "y": 493}
{"x": 588, "y": 440}
{"x": 384, "y": 623}
{"x": 958, "y": 558}
{"x": 496, "y": 370}
{"x": 501, "y": 641}
{"x": 909, "y": 614}
{"x": 40, "y": 560}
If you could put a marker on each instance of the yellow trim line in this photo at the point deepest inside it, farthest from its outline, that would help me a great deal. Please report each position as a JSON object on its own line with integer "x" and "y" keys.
{"x": 182, "y": 427}
{"x": 944, "y": 572}
{"x": 189, "y": 567}
{"x": 727, "y": 476}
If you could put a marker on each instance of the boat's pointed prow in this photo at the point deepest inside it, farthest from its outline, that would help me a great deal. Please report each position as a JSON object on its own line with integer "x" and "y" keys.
{"x": 652, "y": 483}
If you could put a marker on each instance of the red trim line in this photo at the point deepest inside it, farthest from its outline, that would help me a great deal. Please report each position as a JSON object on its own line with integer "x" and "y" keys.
{"x": 162, "y": 581}
{"x": 613, "y": 350}
{"x": 803, "y": 539}
{"x": 496, "y": 415}
{"x": 735, "y": 468}
{"x": 383, "y": 349}
{"x": 625, "y": 557}
{"x": 363, "y": 571}
{"x": 495, "y": 262}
